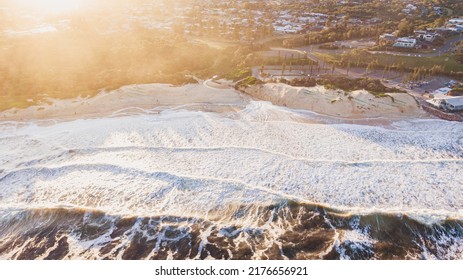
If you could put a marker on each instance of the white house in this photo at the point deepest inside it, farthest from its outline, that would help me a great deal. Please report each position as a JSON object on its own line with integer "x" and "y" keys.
{"x": 427, "y": 36}
{"x": 405, "y": 43}
{"x": 459, "y": 27}
{"x": 454, "y": 104}
{"x": 458, "y": 21}
{"x": 447, "y": 103}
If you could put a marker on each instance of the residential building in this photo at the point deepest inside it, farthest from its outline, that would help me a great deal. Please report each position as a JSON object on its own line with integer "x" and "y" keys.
{"x": 447, "y": 103}
{"x": 388, "y": 38}
{"x": 405, "y": 43}
{"x": 458, "y": 21}
{"x": 426, "y": 36}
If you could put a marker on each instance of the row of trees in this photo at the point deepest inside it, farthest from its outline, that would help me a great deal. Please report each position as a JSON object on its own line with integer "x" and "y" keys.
{"x": 422, "y": 73}
{"x": 337, "y": 33}
{"x": 459, "y": 52}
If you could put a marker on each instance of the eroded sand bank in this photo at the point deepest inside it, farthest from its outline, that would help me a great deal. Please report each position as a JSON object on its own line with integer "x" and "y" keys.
{"x": 356, "y": 104}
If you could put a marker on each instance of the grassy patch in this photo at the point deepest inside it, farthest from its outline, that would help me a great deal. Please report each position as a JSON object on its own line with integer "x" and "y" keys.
{"x": 237, "y": 74}
{"x": 248, "y": 81}
{"x": 7, "y": 103}
{"x": 407, "y": 63}
{"x": 280, "y": 57}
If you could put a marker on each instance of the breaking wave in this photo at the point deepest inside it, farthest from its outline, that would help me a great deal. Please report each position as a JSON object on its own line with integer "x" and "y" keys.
{"x": 285, "y": 231}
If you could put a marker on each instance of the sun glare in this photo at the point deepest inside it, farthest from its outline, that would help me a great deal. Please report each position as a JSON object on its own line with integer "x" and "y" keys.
{"x": 51, "y": 6}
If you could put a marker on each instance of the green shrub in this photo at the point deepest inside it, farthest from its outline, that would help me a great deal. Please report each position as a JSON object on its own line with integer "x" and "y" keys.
{"x": 248, "y": 81}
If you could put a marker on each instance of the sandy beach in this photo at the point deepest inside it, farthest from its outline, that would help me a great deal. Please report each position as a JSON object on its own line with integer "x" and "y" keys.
{"x": 337, "y": 103}
{"x": 132, "y": 99}
{"x": 221, "y": 97}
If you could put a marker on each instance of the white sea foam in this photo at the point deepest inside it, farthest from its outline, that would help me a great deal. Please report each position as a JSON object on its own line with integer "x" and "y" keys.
{"x": 180, "y": 161}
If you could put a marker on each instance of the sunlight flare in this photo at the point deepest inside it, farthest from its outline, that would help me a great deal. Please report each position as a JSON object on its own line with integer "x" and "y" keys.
{"x": 51, "y": 6}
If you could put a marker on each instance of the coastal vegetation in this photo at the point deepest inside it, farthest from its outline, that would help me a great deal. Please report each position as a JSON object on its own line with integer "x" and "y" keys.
{"x": 459, "y": 53}
{"x": 456, "y": 92}
{"x": 81, "y": 62}
{"x": 283, "y": 60}
{"x": 248, "y": 81}
{"x": 374, "y": 86}
{"x": 69, "y": 64}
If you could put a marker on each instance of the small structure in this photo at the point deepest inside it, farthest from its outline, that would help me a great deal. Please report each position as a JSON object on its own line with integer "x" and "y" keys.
{"x": 458, "y": 28}
{"x": 447, "y": 103}
{"x": 444, "y": 31}
{"x": 452, "y": 84}
{"x": 426, "y": 36}
{"x": 456, "y": 21}
{"x": 405, "y": 42}
{"x": 388, "y": 38}
{"x": 438, "y": 10}
{"x": 375, "y": 20}
{"x": 442, "y": 91}
{"x": 453, "y": 104}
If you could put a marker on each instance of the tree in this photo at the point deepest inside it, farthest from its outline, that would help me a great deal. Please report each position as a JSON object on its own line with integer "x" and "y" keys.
{"x": 405, "y": 28}
{"x": 384, "y": 72}
{"x": 439, "y": 22}
{"x": 459, "y": 53}
{"x": 329, "y": 21}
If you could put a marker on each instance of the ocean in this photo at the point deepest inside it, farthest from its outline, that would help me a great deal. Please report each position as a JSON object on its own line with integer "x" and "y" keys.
{"x": 265, "y": 182}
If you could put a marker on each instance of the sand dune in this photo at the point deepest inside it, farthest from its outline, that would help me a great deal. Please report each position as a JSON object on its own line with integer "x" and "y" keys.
{"x": 356, "y": 104}
{"x": 131, "y": 99}
{"x": 209, "y": 96}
